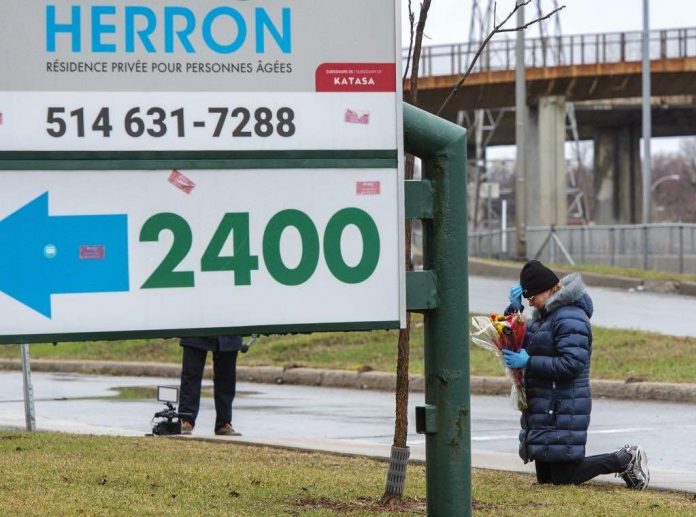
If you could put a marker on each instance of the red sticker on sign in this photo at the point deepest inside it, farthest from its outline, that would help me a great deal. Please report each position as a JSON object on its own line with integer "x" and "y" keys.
{"x": 367, "y": 188}
{"x": 357, "y": 117}
{"x": 181, "y": 182}
{"x": 92, "y": 252}
{"x": 356, "y": 77}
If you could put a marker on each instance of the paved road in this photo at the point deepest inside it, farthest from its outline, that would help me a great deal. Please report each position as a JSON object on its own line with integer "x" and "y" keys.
{"x": 617, "y": 308}
{"x": 351, "y": 421}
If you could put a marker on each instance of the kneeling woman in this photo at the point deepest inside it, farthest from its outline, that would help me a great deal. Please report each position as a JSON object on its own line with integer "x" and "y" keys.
{"x": 556, "y": 359}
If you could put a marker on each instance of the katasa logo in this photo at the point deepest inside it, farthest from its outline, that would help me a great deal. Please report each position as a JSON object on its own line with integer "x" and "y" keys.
{"x": 356, "y": 77}
{"x": 352, "y": 80}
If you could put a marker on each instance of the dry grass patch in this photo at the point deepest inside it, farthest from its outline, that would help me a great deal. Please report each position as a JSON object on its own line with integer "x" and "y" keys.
{"x": 62, "y": 474}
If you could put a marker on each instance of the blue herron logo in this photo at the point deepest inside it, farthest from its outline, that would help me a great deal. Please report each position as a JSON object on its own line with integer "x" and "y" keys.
{"x": 132, "y": 28}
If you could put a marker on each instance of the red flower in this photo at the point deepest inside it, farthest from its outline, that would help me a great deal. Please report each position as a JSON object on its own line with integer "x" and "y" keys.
{"x": 499, "y": 332}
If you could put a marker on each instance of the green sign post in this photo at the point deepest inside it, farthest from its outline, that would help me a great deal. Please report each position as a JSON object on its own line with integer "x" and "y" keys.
{"x": 441, "y": 293}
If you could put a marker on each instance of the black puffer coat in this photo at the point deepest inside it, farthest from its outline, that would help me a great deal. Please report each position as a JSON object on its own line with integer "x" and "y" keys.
{"x": 557, "y": 377}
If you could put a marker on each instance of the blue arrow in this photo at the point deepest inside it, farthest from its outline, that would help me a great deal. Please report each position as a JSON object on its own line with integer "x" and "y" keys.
{"x": 41, "y": 255}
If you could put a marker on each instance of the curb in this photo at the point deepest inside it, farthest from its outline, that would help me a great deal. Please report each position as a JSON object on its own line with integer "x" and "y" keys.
{"x": 659, "y": 391}
{"x": 481, "y": 267}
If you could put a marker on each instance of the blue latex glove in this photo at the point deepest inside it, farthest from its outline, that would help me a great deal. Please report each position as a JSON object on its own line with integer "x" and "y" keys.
{"x": 515, "y": 297}
{"x": 515, "y": 359}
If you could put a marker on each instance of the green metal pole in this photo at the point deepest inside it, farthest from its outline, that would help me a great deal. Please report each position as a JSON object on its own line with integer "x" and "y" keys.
{"x": 445, "y": 419}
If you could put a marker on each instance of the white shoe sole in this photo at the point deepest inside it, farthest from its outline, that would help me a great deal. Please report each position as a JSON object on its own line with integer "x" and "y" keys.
{"x": 641, "y": 465}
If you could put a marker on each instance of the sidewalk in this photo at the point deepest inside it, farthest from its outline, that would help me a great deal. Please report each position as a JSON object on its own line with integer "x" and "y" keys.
{"x": 667, "y": 392}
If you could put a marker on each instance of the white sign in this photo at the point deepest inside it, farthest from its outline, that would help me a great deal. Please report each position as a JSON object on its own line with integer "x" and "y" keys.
{"x": 276, "y": 84}
{"x": 490, "y": 189}
{"x": 107, "y": 251}
{"x": 148, "y": 75}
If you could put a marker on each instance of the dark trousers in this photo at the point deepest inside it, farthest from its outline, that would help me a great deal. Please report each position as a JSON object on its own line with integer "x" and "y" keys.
{"x": 576, "y": 472}
{"x": 224, "y": 381}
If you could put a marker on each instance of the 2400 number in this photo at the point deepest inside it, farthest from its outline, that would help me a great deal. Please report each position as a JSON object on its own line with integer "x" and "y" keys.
{"x": 241, "y": 262}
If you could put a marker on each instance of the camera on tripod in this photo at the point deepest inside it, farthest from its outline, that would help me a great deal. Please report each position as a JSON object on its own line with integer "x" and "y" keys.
{"x": 169, "y": 419}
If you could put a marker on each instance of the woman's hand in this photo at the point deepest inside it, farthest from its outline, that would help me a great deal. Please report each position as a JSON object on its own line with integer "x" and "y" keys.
{"x": 515, "y": 297}
{"x": 515, "y": 359}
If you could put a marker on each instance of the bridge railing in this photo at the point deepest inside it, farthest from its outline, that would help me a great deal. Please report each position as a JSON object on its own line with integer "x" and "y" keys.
{"x": 660, "y": 247}
{"x": 577, "y": 49}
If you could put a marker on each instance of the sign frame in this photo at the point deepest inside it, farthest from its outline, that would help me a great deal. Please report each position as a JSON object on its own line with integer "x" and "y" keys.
{"x": 79, "y": 161}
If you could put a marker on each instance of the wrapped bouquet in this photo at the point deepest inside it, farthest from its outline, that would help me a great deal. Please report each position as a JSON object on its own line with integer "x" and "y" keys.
{"x": 496, "y": 333}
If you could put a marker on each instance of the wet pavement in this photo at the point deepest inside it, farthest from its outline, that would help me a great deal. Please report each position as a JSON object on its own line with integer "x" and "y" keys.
{"x": 350, "y": 421}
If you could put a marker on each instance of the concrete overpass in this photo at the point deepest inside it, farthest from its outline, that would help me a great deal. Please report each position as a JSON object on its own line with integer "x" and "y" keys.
{"x": 601, "y": 75}
{"x": 672, "y": 116}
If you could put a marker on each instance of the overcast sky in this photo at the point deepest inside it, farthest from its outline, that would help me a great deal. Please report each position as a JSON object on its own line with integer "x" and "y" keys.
{"x": 448, "y": 22}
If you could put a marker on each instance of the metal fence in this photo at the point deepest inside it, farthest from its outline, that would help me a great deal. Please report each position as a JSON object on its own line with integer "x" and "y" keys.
{"x": 659, "y": 247}
{"x": 578, "y": 49}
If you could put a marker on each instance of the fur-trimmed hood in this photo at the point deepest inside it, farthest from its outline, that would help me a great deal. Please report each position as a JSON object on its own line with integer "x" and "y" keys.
{"x": 573, "y": 292}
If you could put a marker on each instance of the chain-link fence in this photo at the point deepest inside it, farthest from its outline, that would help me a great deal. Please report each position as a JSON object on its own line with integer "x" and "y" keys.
{"x": 659, "y": 247}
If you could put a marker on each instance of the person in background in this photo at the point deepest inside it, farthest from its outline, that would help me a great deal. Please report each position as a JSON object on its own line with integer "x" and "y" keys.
{"x": 195, "y": 350}
{"x": 556, "y": 363}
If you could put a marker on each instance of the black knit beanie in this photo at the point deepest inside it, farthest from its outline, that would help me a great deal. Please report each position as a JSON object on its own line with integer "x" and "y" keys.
{"x": 536, "y": 278}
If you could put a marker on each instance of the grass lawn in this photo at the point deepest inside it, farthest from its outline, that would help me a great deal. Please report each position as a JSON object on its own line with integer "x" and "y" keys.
{"x": 643, "y": 274}
{"x": 62, "y": 474}
{"x": 601, "y": 269}
{"x": 617, "y": 354}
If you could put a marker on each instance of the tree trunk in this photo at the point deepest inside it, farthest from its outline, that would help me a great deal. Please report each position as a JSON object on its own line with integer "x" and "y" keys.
{"x": 396, "y": 475}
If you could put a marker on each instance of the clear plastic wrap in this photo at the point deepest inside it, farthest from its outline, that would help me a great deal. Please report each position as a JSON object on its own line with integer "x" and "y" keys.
{"x": 496, "y": 333}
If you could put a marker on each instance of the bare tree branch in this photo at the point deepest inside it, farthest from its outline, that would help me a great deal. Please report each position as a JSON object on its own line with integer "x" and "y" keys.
{"x": 420, "y": 28}
{"x": 411, "y": 21}
{"x": 536, "y": 20}
{"x": 496, "y": 29}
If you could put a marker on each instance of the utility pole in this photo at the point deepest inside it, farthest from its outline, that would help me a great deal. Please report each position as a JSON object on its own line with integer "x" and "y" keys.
{"x": 647, "y": 116}
{"x": 28, "y": 389}
{"x": 520, "y": 129}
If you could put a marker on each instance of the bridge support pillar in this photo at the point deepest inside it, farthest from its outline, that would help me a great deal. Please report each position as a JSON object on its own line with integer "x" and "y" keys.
{"x": 617, "y": 176}
{"x": 547, "y": 201}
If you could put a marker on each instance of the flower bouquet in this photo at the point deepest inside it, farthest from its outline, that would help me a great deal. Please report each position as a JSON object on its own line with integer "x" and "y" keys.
{"x": 496, "y": 333}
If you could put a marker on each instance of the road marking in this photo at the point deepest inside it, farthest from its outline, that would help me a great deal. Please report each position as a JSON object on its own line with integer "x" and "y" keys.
{"x": 494, "y": 437}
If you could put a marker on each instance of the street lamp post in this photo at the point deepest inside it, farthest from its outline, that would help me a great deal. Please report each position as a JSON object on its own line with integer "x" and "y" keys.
{"x": 520, "y": 135}
{"x": 660, "y": 181}
{"x": 659, "y": 208}
{"x": 647, "y": 122}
